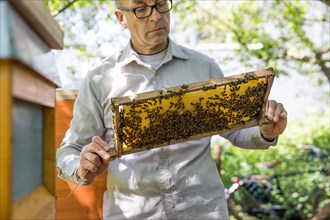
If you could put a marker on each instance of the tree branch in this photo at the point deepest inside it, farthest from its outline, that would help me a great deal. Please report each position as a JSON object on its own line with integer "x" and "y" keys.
{"x": 64, "y": 8}
{"x": 325, "y": 51}
{"x": 327, "y": 2}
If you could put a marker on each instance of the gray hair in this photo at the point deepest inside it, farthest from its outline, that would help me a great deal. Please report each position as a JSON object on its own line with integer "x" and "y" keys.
{"x": 118, "y": 3}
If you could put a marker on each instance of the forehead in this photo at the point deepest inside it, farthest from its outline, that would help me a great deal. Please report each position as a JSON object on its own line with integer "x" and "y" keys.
{"x": 135, "y": 2}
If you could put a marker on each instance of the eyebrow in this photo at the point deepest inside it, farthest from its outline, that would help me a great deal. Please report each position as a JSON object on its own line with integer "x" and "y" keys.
{"x": 137, "y": 1}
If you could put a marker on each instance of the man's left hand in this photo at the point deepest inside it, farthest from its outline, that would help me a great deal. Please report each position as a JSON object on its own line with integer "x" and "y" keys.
{"x": 277, "y": 120}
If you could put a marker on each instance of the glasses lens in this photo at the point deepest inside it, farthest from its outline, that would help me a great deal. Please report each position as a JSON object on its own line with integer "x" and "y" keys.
{"x": 142, "y": 12}
{"x": 164, "y": 6}
{"x": 146, "y": 11}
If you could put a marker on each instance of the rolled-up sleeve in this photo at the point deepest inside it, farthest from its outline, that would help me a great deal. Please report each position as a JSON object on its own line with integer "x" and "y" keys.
{"x": 87, "y": 122}
{"x": 249, "y": 138}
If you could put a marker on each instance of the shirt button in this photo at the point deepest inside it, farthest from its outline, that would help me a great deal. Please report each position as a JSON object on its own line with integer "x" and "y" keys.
{"x": 163, "y": 163}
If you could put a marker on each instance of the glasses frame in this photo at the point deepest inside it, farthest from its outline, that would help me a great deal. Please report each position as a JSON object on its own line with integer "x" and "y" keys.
{"x": 147, "y": 6}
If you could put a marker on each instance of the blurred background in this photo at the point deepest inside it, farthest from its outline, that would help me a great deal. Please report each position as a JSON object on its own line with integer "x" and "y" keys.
{"x": 293, "y": 37}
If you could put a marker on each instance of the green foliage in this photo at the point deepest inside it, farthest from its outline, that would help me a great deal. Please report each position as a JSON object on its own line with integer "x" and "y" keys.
{"x": 183, "y": 6}
{"x": 315, "y": 130}
{"x": 86, "y": 26}
{"x": 278, "y": 33}
{"x": 57, "y": 7}
{"x": 275, "y": 33}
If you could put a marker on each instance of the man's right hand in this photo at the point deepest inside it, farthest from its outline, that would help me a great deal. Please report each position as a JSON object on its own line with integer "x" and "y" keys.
{"x": 94, "y": 157}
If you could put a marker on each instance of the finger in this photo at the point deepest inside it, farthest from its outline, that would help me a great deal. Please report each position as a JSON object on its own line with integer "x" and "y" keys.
{"x": 270, "y": 109}
{"x": 101, "y": 143}
{"x": 83, "y": 173}
{"x": 284, "y": 113}
{"x": 93, "y": 158}
{"x": 105, "y": 146}
{"x": 81, "y": 170}
{"x": 267, "y": 118}
{"x": 96, "y": 148}
{"x": 274, "y": 111}
{"x": 278, "y": 110}
{"x": 87, "y": 165}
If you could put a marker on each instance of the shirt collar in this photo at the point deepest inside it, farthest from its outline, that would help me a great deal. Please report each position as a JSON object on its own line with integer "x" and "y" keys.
{"x": 129, "y": 55}
{"x": 175, "y": 50}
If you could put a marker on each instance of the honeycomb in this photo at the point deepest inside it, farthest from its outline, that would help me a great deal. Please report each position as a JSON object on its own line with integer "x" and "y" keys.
{"x": 190, "y": 111}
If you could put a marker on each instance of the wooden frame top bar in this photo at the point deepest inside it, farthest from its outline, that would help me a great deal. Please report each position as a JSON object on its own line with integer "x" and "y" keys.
{"x": 192, "y": 87}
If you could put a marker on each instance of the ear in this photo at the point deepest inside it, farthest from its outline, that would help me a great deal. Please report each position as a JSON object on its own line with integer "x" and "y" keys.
{"x": 121, "y": 18}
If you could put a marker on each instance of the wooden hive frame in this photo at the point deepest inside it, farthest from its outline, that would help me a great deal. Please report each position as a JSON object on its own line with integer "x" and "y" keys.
{"x": 187, "y": 112}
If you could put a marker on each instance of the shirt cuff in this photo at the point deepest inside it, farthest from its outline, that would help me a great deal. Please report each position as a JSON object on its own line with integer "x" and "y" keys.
{"x": 271, "y": 142}
{"x": 83, "y": 183}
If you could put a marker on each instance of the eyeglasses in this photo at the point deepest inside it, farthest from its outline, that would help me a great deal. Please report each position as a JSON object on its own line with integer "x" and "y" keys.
{"x": 146, "y": 11}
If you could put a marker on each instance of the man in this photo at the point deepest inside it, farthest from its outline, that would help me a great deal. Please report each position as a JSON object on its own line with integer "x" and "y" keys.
{"x": 174, "y": 182}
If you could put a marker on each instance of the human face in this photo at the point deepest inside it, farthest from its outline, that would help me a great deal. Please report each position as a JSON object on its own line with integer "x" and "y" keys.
{"x": 148, "y": 35}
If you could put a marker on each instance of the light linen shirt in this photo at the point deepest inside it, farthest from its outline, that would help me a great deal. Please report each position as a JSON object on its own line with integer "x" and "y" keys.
{"x": 179, "y": 181}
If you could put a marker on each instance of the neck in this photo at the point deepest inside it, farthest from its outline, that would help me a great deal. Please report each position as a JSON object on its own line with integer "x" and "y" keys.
{"x": 150, "y": 50}
{"x": 150, "y": 53}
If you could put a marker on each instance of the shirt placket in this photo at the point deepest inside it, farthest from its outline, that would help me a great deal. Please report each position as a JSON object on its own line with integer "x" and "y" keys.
{"x": 165, "y": 184}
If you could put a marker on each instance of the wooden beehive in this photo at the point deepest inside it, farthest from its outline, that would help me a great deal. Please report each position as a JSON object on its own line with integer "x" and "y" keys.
{"x": 28, "y": 79}
{"x": 182, "y": 113}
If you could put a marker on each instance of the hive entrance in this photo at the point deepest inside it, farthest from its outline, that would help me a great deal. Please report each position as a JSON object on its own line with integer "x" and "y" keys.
{"x": 188, "y": 112}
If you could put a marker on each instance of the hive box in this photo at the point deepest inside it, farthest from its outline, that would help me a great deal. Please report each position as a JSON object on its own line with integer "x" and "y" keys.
{"x": 28, "y": 79}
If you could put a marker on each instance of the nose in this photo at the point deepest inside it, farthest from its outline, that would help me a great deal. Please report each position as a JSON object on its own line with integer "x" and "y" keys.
{"x": 155, "y": 15}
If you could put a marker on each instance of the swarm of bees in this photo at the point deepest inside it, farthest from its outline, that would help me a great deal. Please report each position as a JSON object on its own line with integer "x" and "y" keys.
{"x": 187, "y": 112}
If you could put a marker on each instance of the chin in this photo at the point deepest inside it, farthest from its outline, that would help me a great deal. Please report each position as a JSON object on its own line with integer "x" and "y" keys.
{"x": 159, "y": 40}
